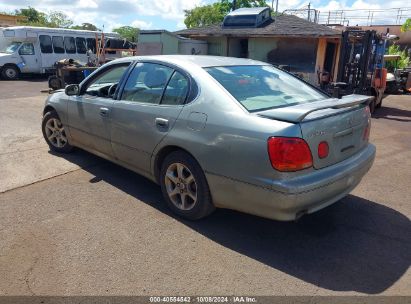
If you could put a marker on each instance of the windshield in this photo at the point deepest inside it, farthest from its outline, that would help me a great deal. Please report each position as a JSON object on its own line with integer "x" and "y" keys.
{"x": 11, "y": 48}
{"x": 260, "y": 88}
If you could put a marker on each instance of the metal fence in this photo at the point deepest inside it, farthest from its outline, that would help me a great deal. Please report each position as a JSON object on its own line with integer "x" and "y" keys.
{"x": 389, "y": 16}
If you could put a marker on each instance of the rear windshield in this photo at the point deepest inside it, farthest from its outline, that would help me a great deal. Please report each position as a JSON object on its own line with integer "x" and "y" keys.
{"x": 260, "y": 88}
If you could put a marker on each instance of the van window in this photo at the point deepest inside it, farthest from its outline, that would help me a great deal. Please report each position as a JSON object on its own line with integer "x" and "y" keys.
{"x": 45, "y": 44}
{"x": 81, "y": 45}
{"x": 26, "y": 49}
{"x": 70, "y": 45}
{"x": 58, "y": 44}
{"x": 91, "y": 44}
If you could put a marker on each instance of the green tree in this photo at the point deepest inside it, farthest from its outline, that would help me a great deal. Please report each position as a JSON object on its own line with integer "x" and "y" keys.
{"x": 128, "y": 32}
{"x": 37, "y": 18}
{"x": 86, "y": 26}
{"x": 401, "y": 63}
{"x": 406, "y": 26}
{"x": 204, "y": 15}
{"x": 33, "y": 16}
{"x": 59, "y": 19}
{"x": 214, "y": 13}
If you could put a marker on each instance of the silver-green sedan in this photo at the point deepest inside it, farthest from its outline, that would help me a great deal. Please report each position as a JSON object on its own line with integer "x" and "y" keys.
{"x": 217, "y": 132}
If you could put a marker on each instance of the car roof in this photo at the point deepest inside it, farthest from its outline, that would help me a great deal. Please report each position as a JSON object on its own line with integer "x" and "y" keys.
{"x": 195, "y": 60}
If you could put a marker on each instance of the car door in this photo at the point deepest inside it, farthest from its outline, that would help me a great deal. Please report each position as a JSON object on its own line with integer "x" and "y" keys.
{"x": 150, "y": 103}
{"x": 29, "y": 58}
{"x": 89, "y": 114}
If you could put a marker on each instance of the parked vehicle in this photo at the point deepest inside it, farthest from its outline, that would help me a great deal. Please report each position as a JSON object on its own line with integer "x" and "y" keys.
{"x": 35, "y": 49}
{"x": 217, "y": 132}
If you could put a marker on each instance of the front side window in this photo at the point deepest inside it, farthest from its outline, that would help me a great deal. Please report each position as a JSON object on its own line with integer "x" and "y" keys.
{"x": 146, "y": 83}
{"x": 45, "y": 44}
{"x": 11, "y": 48}
{"x": 58, "y": 44}
{"x": 81, "y": 45}
{"x": 70, "y": 45}
{"x": 101, "y": 84}
{"x": 264, "y": 87}
{"x": 26, "y": 49}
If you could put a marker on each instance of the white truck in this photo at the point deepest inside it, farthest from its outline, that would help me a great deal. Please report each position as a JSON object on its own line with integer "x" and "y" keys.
{"x": 25, "y": 49}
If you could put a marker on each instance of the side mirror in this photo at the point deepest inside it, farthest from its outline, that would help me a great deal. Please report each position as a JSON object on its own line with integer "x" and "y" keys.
{"x": 72, "y": 89}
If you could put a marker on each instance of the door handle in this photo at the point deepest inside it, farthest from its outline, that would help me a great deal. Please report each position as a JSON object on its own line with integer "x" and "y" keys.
{"x": 161, "y": 122}
{"x": 104, "y": 112}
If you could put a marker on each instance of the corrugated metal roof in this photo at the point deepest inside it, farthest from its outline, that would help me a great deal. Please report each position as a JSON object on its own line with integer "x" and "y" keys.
{"x": 282, "y": 26}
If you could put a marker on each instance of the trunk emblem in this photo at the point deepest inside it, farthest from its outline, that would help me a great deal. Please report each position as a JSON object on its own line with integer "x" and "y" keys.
{"x": 316, "y": 133}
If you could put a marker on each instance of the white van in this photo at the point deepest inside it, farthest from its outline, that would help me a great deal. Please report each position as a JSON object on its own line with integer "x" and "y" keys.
{"x": 26, "y": 49}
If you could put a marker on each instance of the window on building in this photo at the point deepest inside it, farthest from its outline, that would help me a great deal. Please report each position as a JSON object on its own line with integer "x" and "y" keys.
{"x": 70, "y": 45}
{"x": 58, "y": 44}
{"x": 45, "y": 44}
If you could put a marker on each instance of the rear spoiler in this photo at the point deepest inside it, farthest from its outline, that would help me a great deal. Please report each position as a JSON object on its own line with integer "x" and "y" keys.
{"x": 297, "y": 113}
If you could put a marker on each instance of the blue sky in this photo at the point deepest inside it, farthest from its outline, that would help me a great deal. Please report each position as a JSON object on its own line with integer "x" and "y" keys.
{"x": 166, "y": 14}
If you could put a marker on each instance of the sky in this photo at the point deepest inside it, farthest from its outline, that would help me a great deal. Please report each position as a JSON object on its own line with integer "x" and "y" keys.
{"x": 169, "y": 14}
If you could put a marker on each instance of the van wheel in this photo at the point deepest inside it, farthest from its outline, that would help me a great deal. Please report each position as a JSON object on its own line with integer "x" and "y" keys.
{"x": 10, "y": 72}
{"x": 185, "y": 187}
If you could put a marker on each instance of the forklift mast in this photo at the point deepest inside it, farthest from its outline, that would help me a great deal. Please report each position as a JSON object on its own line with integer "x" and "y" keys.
{"x": 361, "y": 53}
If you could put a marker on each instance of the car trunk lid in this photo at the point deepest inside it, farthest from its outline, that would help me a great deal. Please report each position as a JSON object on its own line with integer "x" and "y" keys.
{"x": 339, "y": 122}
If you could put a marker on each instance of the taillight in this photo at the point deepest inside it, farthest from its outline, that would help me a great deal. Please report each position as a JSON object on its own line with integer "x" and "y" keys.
{"x": 289, "y": 153}
{"x": 323, "y": 149}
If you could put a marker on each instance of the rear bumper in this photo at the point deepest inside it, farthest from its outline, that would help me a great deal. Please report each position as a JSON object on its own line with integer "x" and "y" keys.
{"x": 285, "y": 200}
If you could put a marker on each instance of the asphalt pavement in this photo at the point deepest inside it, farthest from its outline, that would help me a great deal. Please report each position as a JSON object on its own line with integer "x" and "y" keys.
{"x": 79, "y": 225}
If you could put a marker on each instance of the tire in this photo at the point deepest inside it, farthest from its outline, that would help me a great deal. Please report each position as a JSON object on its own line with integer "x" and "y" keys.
{"x": 10, "y": 72}
{"x": 55, "y": 83}
{"x": 184, "y": 186}
{"x": 54, "y": 133}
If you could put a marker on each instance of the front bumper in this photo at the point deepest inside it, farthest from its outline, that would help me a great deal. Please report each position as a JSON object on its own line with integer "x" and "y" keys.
{"x": 286, "y": 200}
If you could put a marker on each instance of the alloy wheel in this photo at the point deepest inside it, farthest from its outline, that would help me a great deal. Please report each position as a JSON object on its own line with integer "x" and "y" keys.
{"x": 55, "y": 133}
{"x": 181, "y": 186}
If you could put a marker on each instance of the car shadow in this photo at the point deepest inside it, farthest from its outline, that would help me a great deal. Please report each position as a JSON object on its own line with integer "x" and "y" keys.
{"x": 392, "y": 114}
{"x": 353, "y": 245}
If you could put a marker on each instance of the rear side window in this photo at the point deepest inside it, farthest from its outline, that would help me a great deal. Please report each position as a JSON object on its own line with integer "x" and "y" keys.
{"x": 81, "y": 45}
{"x": 58, "y": 44}
{"x": 146, "y": 83}
{"x": 45, "y": 44}
{"x": 176, "y": 91}
{"x": 91, "y": 44}
{"x": 70, "y": 45}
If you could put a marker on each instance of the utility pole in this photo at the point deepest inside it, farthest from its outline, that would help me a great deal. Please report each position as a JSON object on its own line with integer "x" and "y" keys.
{"x": 234, "y": 5}
{"x": 276, "y": 6}
{"x": 309, "y": 11}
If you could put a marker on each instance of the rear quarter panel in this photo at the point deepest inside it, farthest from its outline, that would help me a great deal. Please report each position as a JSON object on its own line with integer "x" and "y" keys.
{"x": 232, "y": 142}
